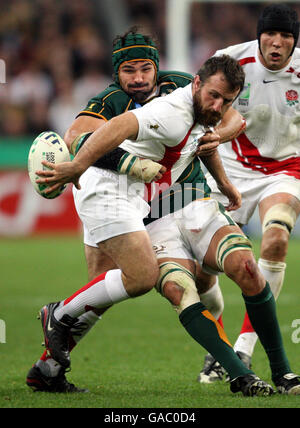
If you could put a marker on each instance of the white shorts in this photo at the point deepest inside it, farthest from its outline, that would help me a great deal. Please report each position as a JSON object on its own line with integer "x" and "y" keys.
{"x": 187, "y": 233}
{"x": 254, "y": 190}
{"x": 109, "y": 205}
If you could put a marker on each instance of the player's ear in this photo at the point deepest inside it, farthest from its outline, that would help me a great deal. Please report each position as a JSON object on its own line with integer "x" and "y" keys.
{"x": 196, "y": 83}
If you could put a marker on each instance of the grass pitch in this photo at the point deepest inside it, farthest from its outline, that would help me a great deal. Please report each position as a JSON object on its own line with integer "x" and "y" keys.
{"x": 139, "y": 355}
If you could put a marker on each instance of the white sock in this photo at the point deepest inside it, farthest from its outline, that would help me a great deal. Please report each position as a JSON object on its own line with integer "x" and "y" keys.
{"x": 273, "y": 272}
{"x": 245, "y": 343}
{"x": 105, "y": 292}
{"x": 213, "y": 300}
{"x": 85, "y": 322}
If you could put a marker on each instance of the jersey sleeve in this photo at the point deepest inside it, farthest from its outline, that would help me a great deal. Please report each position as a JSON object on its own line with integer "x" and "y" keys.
{"x": 108, "y": 104}
{"x": 160, "y": 121}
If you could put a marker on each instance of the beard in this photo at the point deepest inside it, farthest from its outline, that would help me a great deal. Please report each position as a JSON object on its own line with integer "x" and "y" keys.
{"x": 205, "y": 117}
{"x": 139, "y": 96}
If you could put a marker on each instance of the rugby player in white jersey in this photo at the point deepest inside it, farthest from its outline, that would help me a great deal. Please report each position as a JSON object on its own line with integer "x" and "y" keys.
{"x": 137, "y": 80}
{"x": 172, "y": 125}
{"x": 264, "y": 161}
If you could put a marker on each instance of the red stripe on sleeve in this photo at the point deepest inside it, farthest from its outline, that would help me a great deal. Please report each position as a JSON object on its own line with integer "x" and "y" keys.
{"x": 247, "y": 60}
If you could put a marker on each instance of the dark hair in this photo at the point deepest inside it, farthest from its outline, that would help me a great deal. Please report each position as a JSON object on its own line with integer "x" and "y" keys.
{"x": 278, "y": 17}
{"x": 121, "y": 39}
{"x": 227, "y": 65}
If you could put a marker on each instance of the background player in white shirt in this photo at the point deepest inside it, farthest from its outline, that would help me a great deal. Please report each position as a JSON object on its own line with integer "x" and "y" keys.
{"x": 264, "y": 161}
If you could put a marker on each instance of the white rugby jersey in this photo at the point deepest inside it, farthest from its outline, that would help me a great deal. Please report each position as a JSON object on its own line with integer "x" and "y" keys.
{"x": 167, "y": 132}
{"x": 270, "y": 103}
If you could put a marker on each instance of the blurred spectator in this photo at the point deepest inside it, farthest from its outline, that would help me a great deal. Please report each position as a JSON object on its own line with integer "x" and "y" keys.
{"x": 91, "y": 82}
{"x": 57, "y": 55}
{"x": 30, "y": 86}
{"x": 63, "y": 108}
{"x": 14, "y": 121}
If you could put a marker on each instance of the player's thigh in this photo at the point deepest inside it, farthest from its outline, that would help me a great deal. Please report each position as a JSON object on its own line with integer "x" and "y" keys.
{"x": 97, "y": 261}
{"x": 133, "y": 254}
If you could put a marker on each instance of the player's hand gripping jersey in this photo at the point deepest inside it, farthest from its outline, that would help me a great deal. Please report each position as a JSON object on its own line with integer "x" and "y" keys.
{"x": 270, "y": 103}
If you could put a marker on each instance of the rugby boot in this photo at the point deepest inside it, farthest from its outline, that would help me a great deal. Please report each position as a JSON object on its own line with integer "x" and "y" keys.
{"x": 288, "y": 384}
{"x": 57, "y": 334}
{"x": 250, "y": 386}
{"x": 39, "y": 382}
{"x": 212, "y": 370}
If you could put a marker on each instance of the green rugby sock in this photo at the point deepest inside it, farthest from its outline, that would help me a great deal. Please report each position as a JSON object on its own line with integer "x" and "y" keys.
{"x": 205, "y": 329}
{"x": 261, "y": 309}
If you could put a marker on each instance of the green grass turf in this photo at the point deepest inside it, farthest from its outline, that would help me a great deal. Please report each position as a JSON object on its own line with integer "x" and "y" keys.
{"x": 138, "y": 356}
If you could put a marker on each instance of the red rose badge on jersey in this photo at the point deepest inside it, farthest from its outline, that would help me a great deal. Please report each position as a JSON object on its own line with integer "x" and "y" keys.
{"x": 292, "y": 97}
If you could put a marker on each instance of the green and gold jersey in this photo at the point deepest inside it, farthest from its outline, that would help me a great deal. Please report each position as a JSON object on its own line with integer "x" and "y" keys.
{"x": 113, "y": 100}
{"x": 191, "y": 185}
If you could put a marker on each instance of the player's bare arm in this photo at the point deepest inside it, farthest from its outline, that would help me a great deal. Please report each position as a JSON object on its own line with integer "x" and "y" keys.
{"x": 214, "y": 165}
{"x": 81, "y": 124}
{"x": 103, "y": 140}
{"x": 231, "y": 126}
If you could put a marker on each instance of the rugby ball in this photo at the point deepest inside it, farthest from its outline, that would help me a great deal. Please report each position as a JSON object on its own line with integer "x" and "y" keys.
{"x": 48, "y": 146}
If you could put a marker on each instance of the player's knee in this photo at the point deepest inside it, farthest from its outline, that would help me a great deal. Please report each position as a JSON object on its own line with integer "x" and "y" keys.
{"x": 177, "y": 284}
{"x": 173, "y": 292}
{"x": 140, "y": 280}
{"x": 274, "y": 244}
{"x": 149, "y": 283}
{"x": 147, "y": 277}
{"x": 242, "y": 268}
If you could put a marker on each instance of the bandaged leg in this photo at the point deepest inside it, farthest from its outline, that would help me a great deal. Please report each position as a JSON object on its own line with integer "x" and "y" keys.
{"x": 281, "y": 216}
{"x": 198, "y": 321}
{"x": 273, "y": 273}
{"x": 175, "y": 273}
{"x": 229, "y": 244}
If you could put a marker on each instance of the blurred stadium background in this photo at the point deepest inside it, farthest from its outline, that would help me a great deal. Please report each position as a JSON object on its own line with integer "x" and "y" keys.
{"x": 55, "y": 55}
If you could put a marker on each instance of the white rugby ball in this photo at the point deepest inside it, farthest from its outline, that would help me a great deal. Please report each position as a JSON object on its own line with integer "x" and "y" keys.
{"x": 48, "y": 146}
